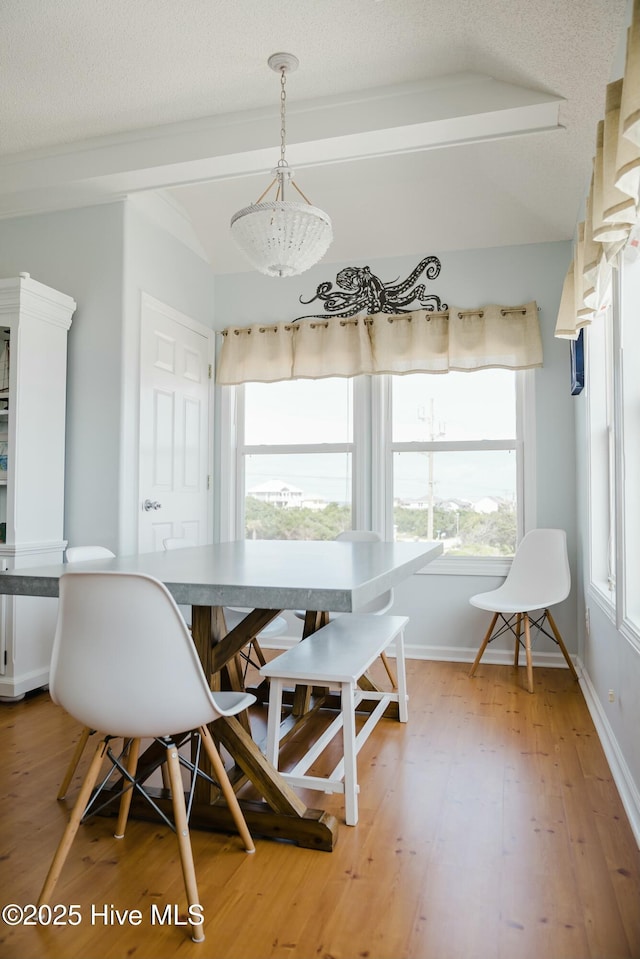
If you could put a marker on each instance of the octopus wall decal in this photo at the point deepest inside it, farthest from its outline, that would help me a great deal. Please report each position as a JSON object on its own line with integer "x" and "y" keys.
{"x": 358, "y": 290}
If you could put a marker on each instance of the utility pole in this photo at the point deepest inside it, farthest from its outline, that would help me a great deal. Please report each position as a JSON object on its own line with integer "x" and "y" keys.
{"x": 432, "y": 435}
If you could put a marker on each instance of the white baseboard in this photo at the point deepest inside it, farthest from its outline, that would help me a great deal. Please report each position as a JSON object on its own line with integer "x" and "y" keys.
{"x": 491, "y": 657}
{"x": 447, "y": 654}
{"x": 619, "y": 770}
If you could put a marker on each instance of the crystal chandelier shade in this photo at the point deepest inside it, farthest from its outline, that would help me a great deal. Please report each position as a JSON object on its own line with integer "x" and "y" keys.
{"x": 282, "y": 237}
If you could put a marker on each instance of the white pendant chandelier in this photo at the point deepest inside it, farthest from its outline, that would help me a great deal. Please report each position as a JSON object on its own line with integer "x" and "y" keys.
{"x": 282, "y": 237}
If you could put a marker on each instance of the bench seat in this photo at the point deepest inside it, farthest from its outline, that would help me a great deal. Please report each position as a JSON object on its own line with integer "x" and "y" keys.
{"x": 337, "y": 655}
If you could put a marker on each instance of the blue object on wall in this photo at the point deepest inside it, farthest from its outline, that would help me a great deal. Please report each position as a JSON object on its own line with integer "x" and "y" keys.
{"x": 577, "y": 364}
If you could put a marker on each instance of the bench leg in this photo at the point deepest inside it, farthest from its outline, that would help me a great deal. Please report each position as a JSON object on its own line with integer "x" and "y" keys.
{"x": 349, "y": 749}
{"x": 273, "y": 721}
{"x": 403, "y": 698}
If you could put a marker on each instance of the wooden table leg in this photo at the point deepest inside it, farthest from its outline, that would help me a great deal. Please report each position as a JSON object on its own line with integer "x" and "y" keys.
{"x": 284, "y": 814}
{"x": 302, "y": 699}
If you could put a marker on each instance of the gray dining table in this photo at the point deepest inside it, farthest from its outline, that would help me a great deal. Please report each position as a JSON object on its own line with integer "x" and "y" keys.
{"x": 267, "y": 577}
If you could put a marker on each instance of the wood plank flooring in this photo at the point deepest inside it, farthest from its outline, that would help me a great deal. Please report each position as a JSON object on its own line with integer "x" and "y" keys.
{"x": 490, "y": 828}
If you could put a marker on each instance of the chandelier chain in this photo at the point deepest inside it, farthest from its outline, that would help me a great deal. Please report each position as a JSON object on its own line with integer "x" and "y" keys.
{"x": 283, "y": 123}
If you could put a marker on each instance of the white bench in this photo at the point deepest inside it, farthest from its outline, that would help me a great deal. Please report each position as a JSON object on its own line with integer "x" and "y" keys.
{"x": 337, "y": 655}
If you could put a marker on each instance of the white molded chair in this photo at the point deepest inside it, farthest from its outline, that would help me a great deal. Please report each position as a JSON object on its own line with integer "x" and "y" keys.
{"x": 81, "y": 554}
{"x": 539, "y": 578}
{"x": 234, "y": 615}
{"x": 124, "y": 661}
{"x": 379, "y": 606}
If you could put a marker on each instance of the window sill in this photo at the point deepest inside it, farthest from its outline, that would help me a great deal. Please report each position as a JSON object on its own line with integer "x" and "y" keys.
{"x": 468, "y": 566}
{"x": 604, "y": 598}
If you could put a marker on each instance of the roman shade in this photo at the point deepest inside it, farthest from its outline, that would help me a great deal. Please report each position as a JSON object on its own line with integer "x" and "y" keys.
{"x": 611, "y": 213}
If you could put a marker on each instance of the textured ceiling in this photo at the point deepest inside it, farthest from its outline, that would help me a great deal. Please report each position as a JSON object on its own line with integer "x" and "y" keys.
{"x": 77, "y": 69}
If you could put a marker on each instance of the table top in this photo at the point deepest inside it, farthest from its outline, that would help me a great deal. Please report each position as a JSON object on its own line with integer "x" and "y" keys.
{"x": 269, "y": 574}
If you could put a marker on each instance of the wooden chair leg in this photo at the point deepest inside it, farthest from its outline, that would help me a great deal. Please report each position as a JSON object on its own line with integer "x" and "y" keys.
{"x": 220, "y": 773}
{"x": 75, "y": 759}
{"x": 72, "y": 827}
{"x": 516, "y": 652}
{"x": 257, "y": 649}
{"x": 527, "y": 649}
{"x": 125, "y": 803}
{"x": 390, "y": 672}
{"x": 485, "y": 643}
{"x": 165, "y": 777}
{"x": 561, "y": 644}
{"x": 182, "y": 833}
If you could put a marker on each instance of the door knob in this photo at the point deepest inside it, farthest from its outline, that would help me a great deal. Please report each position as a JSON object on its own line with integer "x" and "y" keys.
{"x": 151, "y": 504}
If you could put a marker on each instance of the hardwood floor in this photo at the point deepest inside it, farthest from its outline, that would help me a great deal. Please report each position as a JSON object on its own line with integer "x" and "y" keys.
{"x": 490, "y": 828}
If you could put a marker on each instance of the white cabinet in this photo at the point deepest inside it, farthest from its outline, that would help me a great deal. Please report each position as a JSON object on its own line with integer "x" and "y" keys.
{"x": 34, "y": 321}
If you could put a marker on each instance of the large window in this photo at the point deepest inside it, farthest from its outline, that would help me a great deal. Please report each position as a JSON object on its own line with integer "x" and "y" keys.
{"x": 413, "y": 457}
{"x": 455, "y": 450}
{"x": 295, "y": 458}
{"x": 630, "y": 403}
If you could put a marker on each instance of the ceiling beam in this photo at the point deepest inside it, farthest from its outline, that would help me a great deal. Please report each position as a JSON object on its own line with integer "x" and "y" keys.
{"x": 438, "y": 113}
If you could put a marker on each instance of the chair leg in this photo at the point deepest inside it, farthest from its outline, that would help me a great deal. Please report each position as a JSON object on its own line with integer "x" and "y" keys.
{"x": 527, "y": 649}
{"x": 561, "y": 644}
{"x": 390, "y": 672}
{"x": 516, "y": 652}
{"x": 254, "y": 647}
{"x": 165, "y": 777}
{"x": 72, "y": 827}
{"x": 257, "y": 649}
{"x": 485, "y": 643}
{"x": 125, "y": 802}
{"x": 220, "y": 774}
{"x": 182, "y": 833}
{"x": 75, "y": 759}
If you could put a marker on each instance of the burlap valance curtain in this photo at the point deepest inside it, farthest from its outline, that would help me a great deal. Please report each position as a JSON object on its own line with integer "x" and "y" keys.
{"x": 416, "y": 342}
{"x": 611, "y": 214}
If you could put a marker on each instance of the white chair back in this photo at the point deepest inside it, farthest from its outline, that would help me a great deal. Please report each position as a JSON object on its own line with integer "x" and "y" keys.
{"x": 123, "y": 660}
{"x": 81, "y": 554}
{"x": 177, "y": 542}
{"x": 539, "y": 574}
{"x": 381, "y": 604}
{"x": 359, "y": 536}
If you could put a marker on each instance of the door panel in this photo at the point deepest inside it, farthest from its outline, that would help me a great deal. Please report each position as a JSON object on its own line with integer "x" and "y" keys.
{"x": 174, "y": 427}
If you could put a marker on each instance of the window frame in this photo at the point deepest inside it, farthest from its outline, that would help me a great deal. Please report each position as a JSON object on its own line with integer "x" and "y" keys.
{"x": 372, "y": 499}
{"x": 524, "y": 446}
{"x": 605, "y": 470}
{"x": 628, "y": 457}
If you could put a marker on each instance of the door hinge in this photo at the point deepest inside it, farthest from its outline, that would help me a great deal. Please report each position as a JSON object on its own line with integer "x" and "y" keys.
{"x": 210, "y": 371}
{"x": 208, "y": 482}
{"x": 5, "y": 657}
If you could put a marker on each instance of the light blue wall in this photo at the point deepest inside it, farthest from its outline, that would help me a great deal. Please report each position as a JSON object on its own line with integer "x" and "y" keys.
{"x": 79, "y": 252}
{"x": 160, "y": 265}
{"x": 443, "y": 625}
{"x": 104, "y": 257}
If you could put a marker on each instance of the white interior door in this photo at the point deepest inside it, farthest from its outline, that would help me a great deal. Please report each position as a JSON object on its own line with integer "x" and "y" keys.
{"x": 174, "y": 427}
